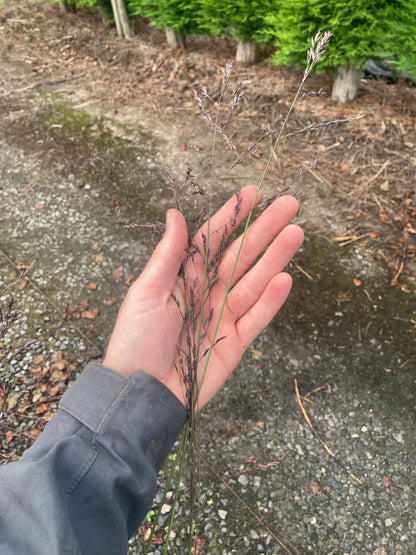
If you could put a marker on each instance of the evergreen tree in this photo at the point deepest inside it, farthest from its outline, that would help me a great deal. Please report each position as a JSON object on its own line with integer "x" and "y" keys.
{"x": 179, "y": 17}
{"x": 397, "y": 40}
{"x": 360, "y": 29}
{"x": 242, "y": 19}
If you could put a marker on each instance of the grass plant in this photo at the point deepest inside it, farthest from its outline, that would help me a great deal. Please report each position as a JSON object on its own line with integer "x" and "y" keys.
{"x": 12, "y": 395}
{"x": 218, "y": 110}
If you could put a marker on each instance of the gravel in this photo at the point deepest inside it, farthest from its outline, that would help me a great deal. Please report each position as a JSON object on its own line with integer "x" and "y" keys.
{"x": 352, "y": 354}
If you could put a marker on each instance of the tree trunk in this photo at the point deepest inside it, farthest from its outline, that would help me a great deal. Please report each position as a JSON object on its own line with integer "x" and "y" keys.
{"x": 66, "y": 7}
{"x": 124, "y": 18}
{"x": 121, "y": 19}
{"x": 174, "y": 38}
{"x": 345, "y": 87}
{"x": 247, "y": 52}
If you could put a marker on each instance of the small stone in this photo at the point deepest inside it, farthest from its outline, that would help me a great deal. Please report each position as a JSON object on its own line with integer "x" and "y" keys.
{"x": 254, "y": 535}
{"x": 243, "y": 480}
{"x": 165, "y": 508}
{"x": 222, "y": 514}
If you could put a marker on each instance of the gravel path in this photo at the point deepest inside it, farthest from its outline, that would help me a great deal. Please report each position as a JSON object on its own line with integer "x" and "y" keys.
{"x": 350, "y": 349}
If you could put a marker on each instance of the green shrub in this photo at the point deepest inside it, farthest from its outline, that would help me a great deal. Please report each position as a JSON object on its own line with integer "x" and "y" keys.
{"x": 180, "y": 15}
{"x": 360, "y": 29}
{"x": 243, "y": 19}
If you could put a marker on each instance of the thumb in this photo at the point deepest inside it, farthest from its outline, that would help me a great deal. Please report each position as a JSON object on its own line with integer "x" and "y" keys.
{"x": 162, "y": 269}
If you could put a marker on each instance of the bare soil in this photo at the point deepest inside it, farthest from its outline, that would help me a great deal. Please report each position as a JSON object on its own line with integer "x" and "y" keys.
{"x": 363, "y": 186}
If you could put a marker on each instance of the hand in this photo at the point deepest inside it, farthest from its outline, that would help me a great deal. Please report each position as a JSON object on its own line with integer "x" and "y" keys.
{"x": 150, "y": 323}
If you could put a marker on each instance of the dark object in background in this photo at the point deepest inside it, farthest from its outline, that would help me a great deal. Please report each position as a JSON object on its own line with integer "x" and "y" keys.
{"x": 383, "y": 68}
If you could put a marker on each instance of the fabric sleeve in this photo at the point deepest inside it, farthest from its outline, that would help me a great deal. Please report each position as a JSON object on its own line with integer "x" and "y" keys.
{"x": 88, "y": 481}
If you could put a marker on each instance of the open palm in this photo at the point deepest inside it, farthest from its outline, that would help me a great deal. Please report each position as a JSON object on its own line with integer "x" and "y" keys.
{"x": 150, "y": 323}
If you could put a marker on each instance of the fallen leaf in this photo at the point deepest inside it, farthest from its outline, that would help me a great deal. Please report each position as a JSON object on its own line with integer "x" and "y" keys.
{"x": 8, "y": 436}
{"x": 118, "y": 272}
{"x": 357, "y": 282}
{"x": 98, "y": 258}
{"x": 145, "y": 531}
{"x": 198, "y": 544}
{"x": 182, "y": 148}
{"x": 387, "y": 481}
{"x": 92, "y": 286}
{"x": 129, "y": 279}
{"x": 224, "y": 433}
{"x": 109, "y": 302}
{"x": 54, "y": 390}
{"x": 314, "y": 487}
{"x": 90, "y": 314}
{"x": 38, "y": 359}
{"x": 48, "y": 416}
{"x": 383, "y": 216}
{"x": 34, "y": 433}
{"x": 157, "y": 539}
{"x": 58, "y": 376}
{"x": 57, "y": 356}
{"x": 41, "y": 409}
{"x": 256, "y": 354}
{"x": 91, "y": 353}
{"x": 61, "y": 364}
{"x": 13, "y": 399}
{"x": 23, "y": 284}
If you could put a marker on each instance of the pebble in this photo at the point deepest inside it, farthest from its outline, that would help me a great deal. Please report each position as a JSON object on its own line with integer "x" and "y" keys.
{"x": 243, "y": 480}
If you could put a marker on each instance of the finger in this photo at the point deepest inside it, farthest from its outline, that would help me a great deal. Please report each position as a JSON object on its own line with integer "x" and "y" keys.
{"x": 262, "y": 312}
{"x": 260, "y": 233}
{"x": 161, "y": 272}
{"x": 251, "y": 286}
{"x": 235, "y": 209}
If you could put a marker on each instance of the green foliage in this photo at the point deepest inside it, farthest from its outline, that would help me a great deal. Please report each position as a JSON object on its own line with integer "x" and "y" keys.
{"x": 150, "y": 515}
{"x": 398, "y": 36}
{"x": 358, "y": 28}
{"x": 180, "y": 15}
{"x": 243, "y": 19}
{"x": 103, "y": 6}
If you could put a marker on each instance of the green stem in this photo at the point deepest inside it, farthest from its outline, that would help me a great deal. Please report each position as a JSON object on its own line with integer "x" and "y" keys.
{"x": 178, "y": 485}
{"x": 249, "y": 217}
{"x": 179, "y": 455}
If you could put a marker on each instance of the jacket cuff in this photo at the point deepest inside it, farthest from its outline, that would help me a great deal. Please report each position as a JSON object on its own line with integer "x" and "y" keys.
{"x": 123, "y": 412}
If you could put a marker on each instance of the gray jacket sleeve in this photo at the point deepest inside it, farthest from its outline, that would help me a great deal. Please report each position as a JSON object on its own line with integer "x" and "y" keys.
{"x": 88, "y": 481}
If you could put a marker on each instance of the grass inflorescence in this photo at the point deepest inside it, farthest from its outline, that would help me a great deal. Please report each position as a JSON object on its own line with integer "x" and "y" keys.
{"x": 218, "y": 109}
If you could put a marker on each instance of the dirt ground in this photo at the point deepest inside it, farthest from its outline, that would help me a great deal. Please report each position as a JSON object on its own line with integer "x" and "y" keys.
{"x": 87, "y": 123}
{"x": 364, "y": 180}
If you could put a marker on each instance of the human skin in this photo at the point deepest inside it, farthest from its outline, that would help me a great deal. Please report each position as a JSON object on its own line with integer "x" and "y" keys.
{"x": 149, "y": 324}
